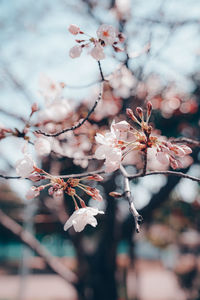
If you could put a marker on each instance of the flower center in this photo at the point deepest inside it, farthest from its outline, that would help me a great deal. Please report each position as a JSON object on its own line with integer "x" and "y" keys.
{"x": 105, "y": 33}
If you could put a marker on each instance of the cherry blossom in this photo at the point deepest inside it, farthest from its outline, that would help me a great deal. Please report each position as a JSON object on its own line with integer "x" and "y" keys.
{"x": 81, "y": 217}
{"x": 42, "y": 146}
{"x": 25, "y": 166}
{"x": 94, "y": 193}
{"x": 108, "y": 150}
{"x": 97, "y": 52}
{"x": 107, "y": 33}
{"x": 75, "y": 51}
{"x": 49, "y": 88}
{"x": 74, "y": 29}
{"x": 36, "y": 177}
{"x": 111, "y": 145}
{"x": 114, "y": 145}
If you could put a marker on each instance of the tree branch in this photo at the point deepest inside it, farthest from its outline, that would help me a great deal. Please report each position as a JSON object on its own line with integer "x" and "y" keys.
{"x": 168, "y": 173}
{"x": 28, "y": 239}
{"x": 129, "y": 197}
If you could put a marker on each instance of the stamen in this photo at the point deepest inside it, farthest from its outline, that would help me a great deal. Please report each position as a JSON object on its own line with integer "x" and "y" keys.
{"x": 75, "y": 203}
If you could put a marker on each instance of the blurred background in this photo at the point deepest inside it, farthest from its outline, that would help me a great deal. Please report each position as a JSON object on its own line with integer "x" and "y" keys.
{"x": 160, "y": 63}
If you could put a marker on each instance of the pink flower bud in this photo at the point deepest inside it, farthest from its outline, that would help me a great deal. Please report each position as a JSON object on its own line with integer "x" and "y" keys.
{"x": 74, "y": 29}
{"x": 95, "y": 177}
{"x": 115, "y": 194}
{"x": 131, "y": 115}
{"x": 149, "y": 108}
{"x": 139, "y": 111}
{"x": 36, "y": 177}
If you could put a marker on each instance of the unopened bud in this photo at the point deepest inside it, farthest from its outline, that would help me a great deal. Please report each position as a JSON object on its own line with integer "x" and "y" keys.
{"x": 149, "y": 109}
{"x": 131, "y": 115}
{"x": 36, "y": 177}
{"x": 139, "y": 111}
{"x": 115, "y": 194}
{"x": 149, "y": 129}
{"x": 95, "y": 177}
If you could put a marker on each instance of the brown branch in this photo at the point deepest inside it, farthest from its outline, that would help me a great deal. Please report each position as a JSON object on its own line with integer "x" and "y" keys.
{"x": 28, "y": 239}
{"x": 99, "y": 171}
{"x": 77, "y": 125}
{"x": 145, "y": 162}
{"x": 168, "y": 173}
{"x": 129, "y": 197}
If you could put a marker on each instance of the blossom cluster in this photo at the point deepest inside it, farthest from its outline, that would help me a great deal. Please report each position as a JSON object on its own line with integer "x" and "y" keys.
{"x": 114, "y": 145}
{"x": 26, "y": 168}
{"x": 106, "y": 35}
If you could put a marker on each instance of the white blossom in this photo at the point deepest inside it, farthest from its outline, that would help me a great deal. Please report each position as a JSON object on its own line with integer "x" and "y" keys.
{"x": 97, "y": 52}
{"x": 75, "y": 51}
{"x": 74, "y": 29}
{"x": 81, "y": 217}
{"x": 25, "y": 166}
{"x": 107, "y": 33}
{"x": 42, "y": 146}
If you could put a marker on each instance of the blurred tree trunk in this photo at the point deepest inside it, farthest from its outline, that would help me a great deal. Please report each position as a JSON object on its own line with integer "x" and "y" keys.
{"x": 96, "y": 271}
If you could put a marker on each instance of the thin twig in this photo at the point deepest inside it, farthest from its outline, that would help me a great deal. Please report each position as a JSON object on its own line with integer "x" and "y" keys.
{"x": 99, "y": 171}
{"x": 77, "y": 125}
{"x": 168, "y": 173}
{"x": 100, "y": 70}
{"x": 9, "y": 177}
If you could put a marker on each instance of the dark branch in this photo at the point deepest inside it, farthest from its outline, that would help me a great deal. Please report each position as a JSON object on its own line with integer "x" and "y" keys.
{"x": 168, "y": 173}
{"x": 100, "y": 70}
{"x": 77, "y": 125}
{"x": 9, "y": 177}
